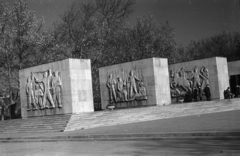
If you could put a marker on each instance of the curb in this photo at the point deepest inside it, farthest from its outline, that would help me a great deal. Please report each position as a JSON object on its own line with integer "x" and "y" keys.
{"x": 129, "y": 137}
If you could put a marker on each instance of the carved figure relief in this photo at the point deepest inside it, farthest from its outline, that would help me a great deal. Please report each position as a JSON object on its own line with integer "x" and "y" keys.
{"x": 111, "y": 86}
{"x": 30, "y": 93}
{"x": 121, "y": 90}
{"x": 196, "y": 78}
{"x": 173, "y": 85}
{"x": 44, "y": 90}
{"x": 57, "y": 87}
{"x": 126, "y": 86}
{"x": 205, "y": 77}
{"x": 132, "y": 92}
{"x": 39, "y": 96}
{"x": 142, "y": 92}
{"x": 183, "y": 82}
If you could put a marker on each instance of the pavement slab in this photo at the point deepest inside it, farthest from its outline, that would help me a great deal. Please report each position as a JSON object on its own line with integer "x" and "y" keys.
{"x": 221, "y": 125}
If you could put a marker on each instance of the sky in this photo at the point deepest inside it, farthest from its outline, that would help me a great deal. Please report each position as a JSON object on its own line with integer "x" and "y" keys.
{"x": 191, "y": 19}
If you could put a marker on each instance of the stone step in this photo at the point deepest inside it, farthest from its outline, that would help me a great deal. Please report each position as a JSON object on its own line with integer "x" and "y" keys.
{"x": 123, "y": 116}
{"x": 40, "y": 131}
{"x": 72, "y": 122}
{"x": 35, "y": 124}
{"x": 36, "y": 127}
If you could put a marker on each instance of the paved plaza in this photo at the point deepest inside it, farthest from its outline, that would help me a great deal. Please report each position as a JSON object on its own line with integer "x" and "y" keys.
{"x": 198, "y": 127}
{"x": 227, "y": 121}
{"x": 123, "y": 148}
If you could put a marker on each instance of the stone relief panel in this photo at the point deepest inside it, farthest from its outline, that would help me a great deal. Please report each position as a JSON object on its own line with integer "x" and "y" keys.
{"x": 126, "y": 85}
{"x": 183, "y": 82}
{"x": 43, "y": 90}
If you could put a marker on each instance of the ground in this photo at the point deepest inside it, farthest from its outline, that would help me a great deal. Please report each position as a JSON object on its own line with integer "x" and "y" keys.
{"x": 123, "y": 148}
{"x": 226, "y": 122}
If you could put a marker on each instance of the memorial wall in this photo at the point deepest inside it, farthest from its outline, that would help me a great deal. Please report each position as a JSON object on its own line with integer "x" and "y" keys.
{"x": 65, "y": 87}
{"x": 196, "y": 75}
{"x": 133, "y": 84}
{"x": 60, "y": 87}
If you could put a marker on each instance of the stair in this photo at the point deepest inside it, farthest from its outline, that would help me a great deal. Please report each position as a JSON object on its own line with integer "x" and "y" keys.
{"x": 55, "y": 123}
{"x": 71, "y": 122}
{"x": 124, "y": 116}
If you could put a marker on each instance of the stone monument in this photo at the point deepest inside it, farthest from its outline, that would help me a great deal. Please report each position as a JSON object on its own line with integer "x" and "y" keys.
{"x": 138, "y": 83}
{"x": 197, "y": 76}
{"x": 61, "y": 87}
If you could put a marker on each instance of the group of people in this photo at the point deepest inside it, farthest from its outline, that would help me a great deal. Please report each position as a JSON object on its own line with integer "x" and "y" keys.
{"x": 198, "y": 93}
{"x": 228, "y": 94}
{"x": 237, "y": 91}
{"x": 10, "y": 105}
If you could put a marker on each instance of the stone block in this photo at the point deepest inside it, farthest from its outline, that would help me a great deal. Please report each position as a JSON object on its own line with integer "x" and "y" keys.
{"x": 216, "y": 75}
{"x": 71, "y": 88}
{"x": 135, "y": 83}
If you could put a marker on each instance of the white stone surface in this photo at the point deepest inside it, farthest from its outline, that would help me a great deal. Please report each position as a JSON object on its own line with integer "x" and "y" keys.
{"x": 153, "y": 72}
{"x": 77, "y": 95}
{"x": 218, "y": 73}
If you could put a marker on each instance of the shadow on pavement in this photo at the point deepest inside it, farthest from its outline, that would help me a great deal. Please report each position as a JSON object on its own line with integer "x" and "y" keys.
{"x": 190, "y": 147}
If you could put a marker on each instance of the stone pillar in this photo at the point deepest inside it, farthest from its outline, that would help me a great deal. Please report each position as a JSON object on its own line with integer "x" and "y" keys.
{"x": 222, "y": 76}
{"x": 138, "y": 83}
{"x": 61, "y": 87}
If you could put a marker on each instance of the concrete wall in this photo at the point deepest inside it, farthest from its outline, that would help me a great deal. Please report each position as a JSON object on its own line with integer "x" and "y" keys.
{"x": 76, "y": 93}
{"x": 161, "y": 77}
{"x": 154, "y": 74}
{"x": 234, "y": 68}
{"x": 218, "y": 73}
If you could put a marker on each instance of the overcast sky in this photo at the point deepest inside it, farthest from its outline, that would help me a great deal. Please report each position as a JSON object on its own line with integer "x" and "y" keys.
{"x": 191, "y": 19}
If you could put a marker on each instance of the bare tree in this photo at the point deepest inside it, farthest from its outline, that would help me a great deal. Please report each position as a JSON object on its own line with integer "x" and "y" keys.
{"x": 145, "y": 39}
{"x": 88, "y": 27}
{"x": 87, "y": 30}
{"x": 22, "y": 39}
{"x": 6, "y": 58}
{"x": 224, "y": 45}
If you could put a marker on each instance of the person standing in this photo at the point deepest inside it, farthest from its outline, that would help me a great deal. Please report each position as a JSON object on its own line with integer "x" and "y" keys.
{"x": 228, "y": 93}
{"x": 195, "y": 94}
{"x": 207, "y": 92}
{"x": 200, "y": 93}
{"x": 237, "y": 91}
{"x": 2, "y": 105}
